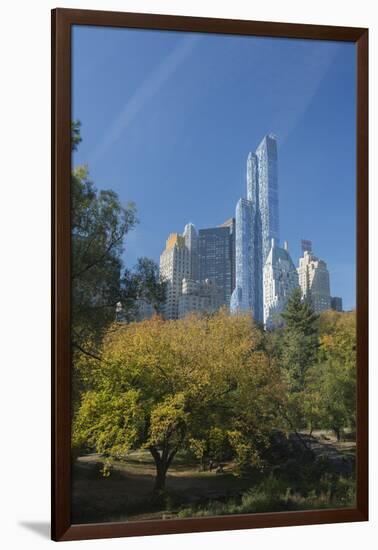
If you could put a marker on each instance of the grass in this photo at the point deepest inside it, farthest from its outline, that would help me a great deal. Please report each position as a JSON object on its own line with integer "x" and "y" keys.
{"x": 126, "y": 493}
{"x": 273, "y": 495}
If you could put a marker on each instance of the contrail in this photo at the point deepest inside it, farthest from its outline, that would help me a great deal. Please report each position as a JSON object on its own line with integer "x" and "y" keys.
{"x": 143, "y": 93}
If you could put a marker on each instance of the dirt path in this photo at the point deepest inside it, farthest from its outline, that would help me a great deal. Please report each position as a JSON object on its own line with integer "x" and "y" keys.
{"x": 341, "y": 454}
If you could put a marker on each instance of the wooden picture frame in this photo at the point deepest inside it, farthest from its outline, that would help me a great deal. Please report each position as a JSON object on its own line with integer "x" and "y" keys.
{"x": 62, "y": 21}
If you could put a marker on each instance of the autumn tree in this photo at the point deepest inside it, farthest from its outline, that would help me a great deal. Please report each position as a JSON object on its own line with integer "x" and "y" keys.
{"x": 170, "y": 385}
{"x": 332, "y": 382}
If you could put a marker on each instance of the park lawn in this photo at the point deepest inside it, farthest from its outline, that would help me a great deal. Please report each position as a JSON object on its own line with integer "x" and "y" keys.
{"x": 126, "y": 493}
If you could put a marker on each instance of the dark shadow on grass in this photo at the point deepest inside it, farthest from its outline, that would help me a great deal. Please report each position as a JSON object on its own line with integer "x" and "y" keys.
{"x": 128, "y": 494}
{"x": 42, "y": 528}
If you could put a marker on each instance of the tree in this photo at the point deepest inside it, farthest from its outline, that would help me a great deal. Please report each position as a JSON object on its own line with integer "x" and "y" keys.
{"x": 149, "y": 286}
{"x": 169, "y": 385}
{"x": 75, "y": 134}
{"x": 300, "y": 339}
{"x": 332, "y": 381}
{"x": 294, "y": 349}
{"x": 99, "y": 225}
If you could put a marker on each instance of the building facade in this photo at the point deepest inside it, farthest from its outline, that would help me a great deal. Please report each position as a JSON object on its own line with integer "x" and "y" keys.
{"x": 216, "y": 258}
{"x": 336, "y": 303}
{"x": 230, "y": 223}
{"x": 280, "y": 279}
{"x": 175, "y": 265}
{"x": 198, "y": 296}
{"x": 267, "y": 183}
{"x": 314, "y": 281}
{"x": 242, "y": 298}
{"x": 191, "y": 242}
{"x": 200, "y": 268}
{"x": 240, "y": 263}
{"x": 145, "y": 310}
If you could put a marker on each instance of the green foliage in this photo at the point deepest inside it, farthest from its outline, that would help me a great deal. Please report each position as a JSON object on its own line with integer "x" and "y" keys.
{"x": 247, "y": 456}
{"x": 109, "y": 421}
{"x": 332, "y": 382}
{"x": 190, "y": 384}
{"x": 299, "y": 340}
{"x": 294, "y": 348}
{"x": 275, "y": 495}
{"x": 215, "y": 387}
{"x": 206, "y": 385}
{"x": 99, "y": 225}
{"x": 148, "y": 284}
{"x": 168, "y": 422}
{"x": 213, "y": 449}
{"x": 317, "y": 359}
{"x": 75, "y": 134}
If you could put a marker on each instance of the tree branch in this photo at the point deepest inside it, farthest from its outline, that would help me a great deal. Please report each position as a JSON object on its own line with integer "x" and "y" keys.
{"x": 88, "y": 353}
{"x": 101, "y": 258}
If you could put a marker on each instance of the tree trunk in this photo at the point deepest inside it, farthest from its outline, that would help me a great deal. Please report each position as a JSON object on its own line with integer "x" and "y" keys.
{"x": 162, "y": 463}
{"x": 161, "y": 474}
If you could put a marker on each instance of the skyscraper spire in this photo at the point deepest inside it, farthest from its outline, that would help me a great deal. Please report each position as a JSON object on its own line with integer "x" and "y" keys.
{"x": 257, "y": 224}
{"x": 191, "y": 241}
{"x": 252, "y": 178}
{"x": 266, "y": 154}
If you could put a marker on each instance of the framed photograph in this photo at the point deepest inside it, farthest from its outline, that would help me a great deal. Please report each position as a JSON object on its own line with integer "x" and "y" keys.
{"x": 210, "y": 274}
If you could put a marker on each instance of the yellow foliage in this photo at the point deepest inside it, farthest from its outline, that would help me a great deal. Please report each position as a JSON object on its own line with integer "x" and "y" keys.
{"x": 161, "y": 383}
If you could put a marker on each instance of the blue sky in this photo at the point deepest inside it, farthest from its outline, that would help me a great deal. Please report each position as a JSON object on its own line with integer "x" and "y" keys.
{"x": 169, "y": 118}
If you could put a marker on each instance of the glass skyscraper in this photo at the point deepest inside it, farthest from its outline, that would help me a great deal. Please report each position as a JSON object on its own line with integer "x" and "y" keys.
{"x": 191, "y": 242}
{"x": 243, "y": 295}
{"x": 266, "y": 154}
{"x": 216, "y": 258}
{"x": 257, "y": 223}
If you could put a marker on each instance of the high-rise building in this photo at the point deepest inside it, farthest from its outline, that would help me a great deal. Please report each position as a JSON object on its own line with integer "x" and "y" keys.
{"x": 242, "y": 298}
{"x": 267, "y": 183}
{"x": 257, "y": 223}
{"x": 145, "y": 310}
{"x": 199, "y": 296}
{"x": 204, "y": 262}
{"x": 336, "y": 303}
{"x": 191, "y": 242}
{"x": 314, "y": 281}
{"x": 175, "y": 265}
{"x": 256, "y": 264}
{"x": 216, "y": 258}
{"x": 230, "y": 223}
{"x": 306, "y": 245}
{"x": 280, "y": 280}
